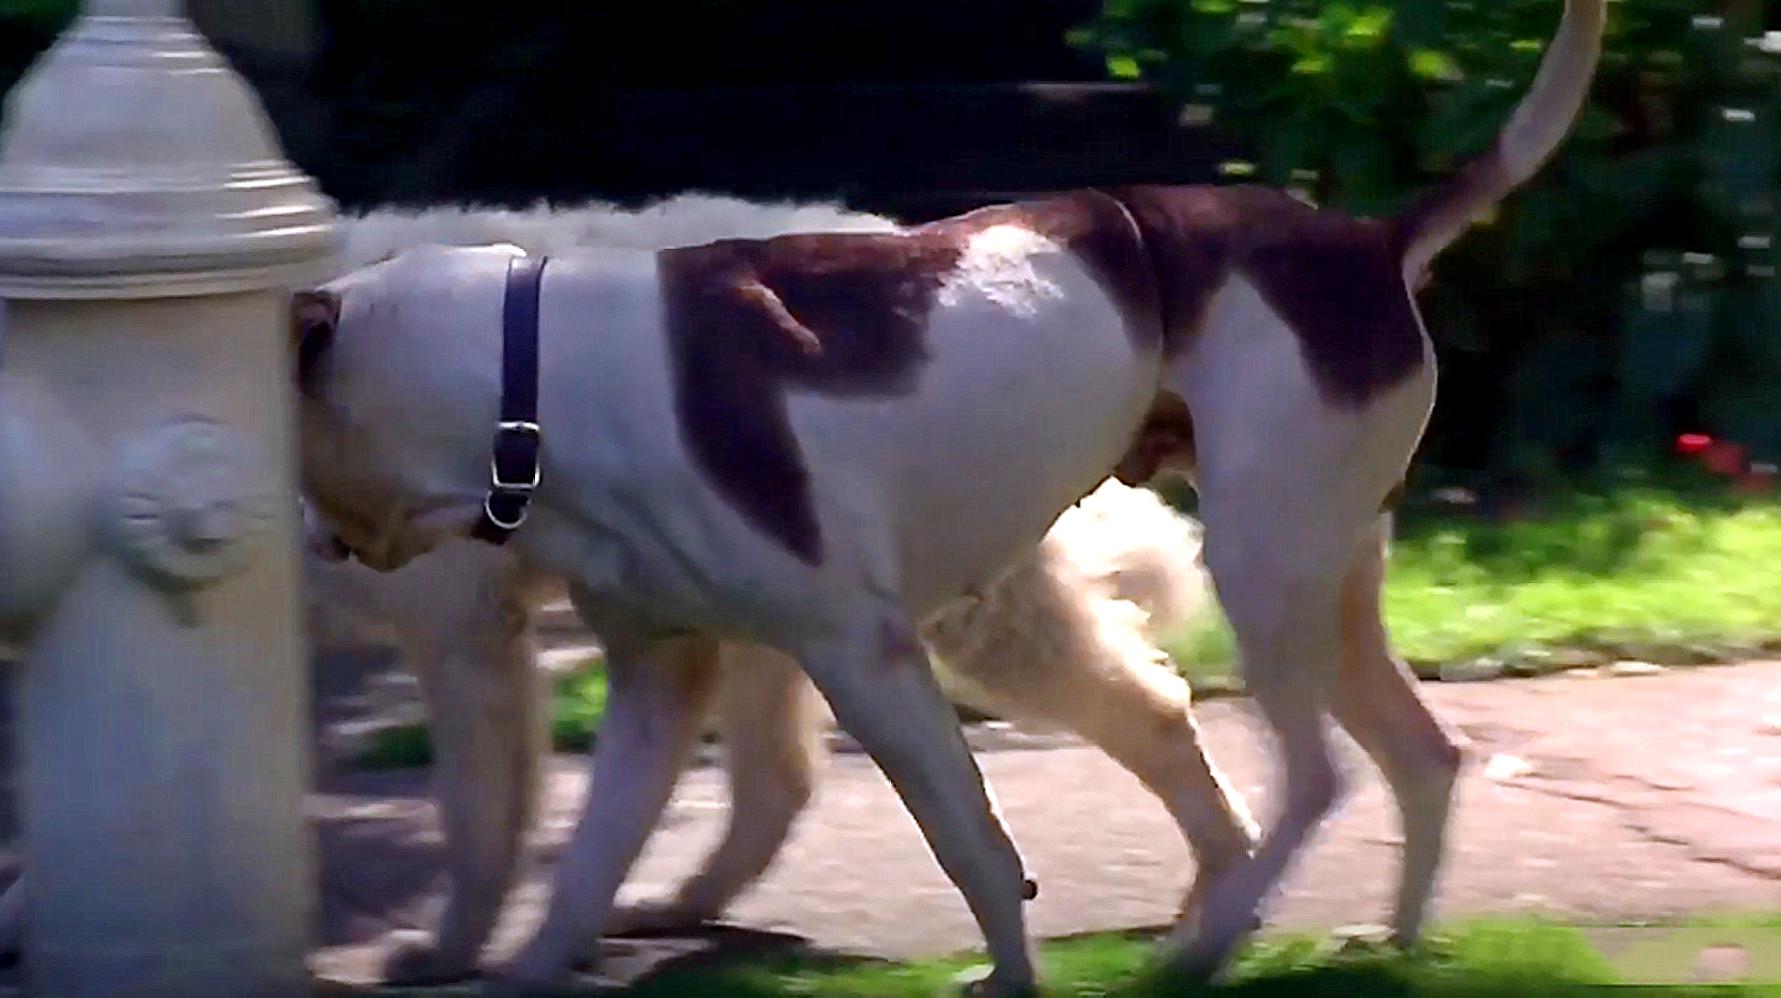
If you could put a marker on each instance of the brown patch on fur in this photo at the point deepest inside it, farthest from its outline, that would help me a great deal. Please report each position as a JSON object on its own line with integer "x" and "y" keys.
{"x": 1164, "y": 441}
{"x": 1335, "y": 279}
{"x": 863, "y": 299}
{"x": 1189, "y": 232}
{"x": 842, "y": 314}
{"x": 1445, "y": 212}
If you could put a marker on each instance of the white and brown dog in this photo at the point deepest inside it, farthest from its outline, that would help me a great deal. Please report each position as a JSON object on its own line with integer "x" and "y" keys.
{"x": 1065, "y": 637}
{"x": 811, "y": 443}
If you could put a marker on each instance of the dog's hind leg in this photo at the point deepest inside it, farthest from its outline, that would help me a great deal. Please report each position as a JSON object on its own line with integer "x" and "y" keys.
{"x": 773, "y": 745}
{"x": 1145, "y": 723}
{"x": 1283, "y": 607}
{"x": 1377, "y": 703}
{"x": 1047, "y": 645}
{"x": 883, "y": 691}
{"x": 1291, "y": 485}
{"x": 657, "y": 693}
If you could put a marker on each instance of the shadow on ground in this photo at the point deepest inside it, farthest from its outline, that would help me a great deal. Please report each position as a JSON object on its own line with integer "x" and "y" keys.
{"x": 657, "y": 965}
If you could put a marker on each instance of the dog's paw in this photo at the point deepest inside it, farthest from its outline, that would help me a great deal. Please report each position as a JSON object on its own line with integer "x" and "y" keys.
{"x": 541, "y": 967}
{"x": 1363, "y": 939}
{"x": 981, "y": 982}
{"x": 646, "y": 918}
{"x": 1200, "y": 963}
{"x": 416, "y": 959}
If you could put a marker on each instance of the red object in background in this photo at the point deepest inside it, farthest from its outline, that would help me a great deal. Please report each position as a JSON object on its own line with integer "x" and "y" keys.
{"x": 1729, "y": 460}
{"x": 1690, "y": 444}
{"x": 1725, "y": 458}
{"x": 1759, "y": 478}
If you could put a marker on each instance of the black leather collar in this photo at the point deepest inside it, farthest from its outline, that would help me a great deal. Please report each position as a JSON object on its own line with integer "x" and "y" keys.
{"x": 514, "y": 467}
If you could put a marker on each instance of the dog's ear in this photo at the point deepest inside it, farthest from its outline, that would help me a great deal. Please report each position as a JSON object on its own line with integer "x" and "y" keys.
{"x": 315, "y": 316}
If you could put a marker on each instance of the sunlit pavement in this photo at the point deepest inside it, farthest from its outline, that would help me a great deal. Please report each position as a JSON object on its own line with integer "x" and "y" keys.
{"x": 1590, "y": 799}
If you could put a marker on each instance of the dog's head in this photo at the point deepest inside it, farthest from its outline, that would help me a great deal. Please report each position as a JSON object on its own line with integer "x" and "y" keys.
{"x": 398, "y": 372}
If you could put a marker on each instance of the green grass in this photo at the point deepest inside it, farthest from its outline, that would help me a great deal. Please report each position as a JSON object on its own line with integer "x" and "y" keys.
{"x": 1643, "y": 573}
{"x": 1488, "y": 957}
{"x": 578, "y": 705}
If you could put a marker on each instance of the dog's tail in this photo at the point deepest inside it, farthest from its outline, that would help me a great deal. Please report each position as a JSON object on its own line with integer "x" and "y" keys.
{"x": 1541, "y": 122}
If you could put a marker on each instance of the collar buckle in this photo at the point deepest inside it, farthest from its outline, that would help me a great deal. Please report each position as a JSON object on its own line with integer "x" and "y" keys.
{"x": 514, "y": 465}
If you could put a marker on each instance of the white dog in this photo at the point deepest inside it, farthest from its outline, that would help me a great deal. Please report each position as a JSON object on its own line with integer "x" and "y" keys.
{"x": 1078, "y": 612}
{"x": 812, "y": 443}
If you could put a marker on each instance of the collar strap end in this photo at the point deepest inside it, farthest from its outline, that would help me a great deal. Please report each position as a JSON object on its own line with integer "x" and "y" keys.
{"x": 514, "y": 466}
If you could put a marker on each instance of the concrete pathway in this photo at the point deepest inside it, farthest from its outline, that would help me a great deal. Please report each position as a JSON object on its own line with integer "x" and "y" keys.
{"x": 1591, "y": 798}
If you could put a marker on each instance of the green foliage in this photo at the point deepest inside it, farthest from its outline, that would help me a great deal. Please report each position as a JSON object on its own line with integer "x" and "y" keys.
{"x": 47, "y": 15}
{"x": 1374, "y": 98}
{"x": 1544, "y": 326}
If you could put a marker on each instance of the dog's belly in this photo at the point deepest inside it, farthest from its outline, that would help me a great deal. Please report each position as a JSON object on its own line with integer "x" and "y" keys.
{"x": 1020, "y": 413}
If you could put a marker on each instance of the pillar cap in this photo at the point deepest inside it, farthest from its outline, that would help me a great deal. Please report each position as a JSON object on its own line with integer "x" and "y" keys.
{"x": 135, "y": 163}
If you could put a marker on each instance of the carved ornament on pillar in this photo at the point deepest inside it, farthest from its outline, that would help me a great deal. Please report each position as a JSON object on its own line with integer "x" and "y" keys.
{"x": 191, "y": 503}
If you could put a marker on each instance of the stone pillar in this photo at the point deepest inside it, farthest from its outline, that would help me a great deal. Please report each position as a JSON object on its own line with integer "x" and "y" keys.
{"x": 150, "y": 228}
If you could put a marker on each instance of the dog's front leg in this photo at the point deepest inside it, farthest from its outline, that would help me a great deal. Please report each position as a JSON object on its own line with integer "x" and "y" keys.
{"x": 486, "y": 706}
{"x": 883, "y": 691}
{"x": 656, "y": 697}
{"x": 773, "y": 744}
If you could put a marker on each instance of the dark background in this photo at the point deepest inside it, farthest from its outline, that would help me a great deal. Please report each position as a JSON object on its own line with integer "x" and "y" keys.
{"x": 1554, "y": 366}
{"x": 918, "y": 107}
